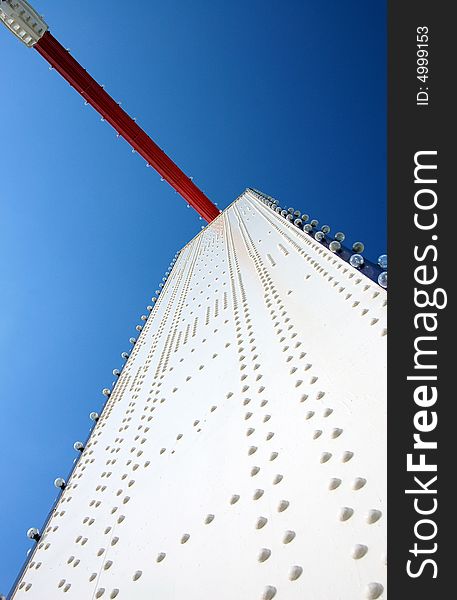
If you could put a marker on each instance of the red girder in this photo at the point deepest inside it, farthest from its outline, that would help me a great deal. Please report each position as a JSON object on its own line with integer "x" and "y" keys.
{"x": 62, "y": 61}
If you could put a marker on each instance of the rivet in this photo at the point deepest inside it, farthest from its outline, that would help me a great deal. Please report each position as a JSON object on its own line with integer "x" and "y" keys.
{"x": 254, "y": 471}
{"x": 309, "y": 415}
{"x": 100, "y": 592}
{"x": 358, "y": 483}
{"x": 264, "y": 554}
{"x": 295, "y": 572}
{"x": 114, "y": 593}
{"x": 345, "y": 513}
{"x": 328, "y": 412}
{"x": 347, "y": 455}
{"x": 234, "y": 499}
{"x": 160, "y": 557}
{"x": 373, "y": 516}
{"x": 277, "y": 479}
{"x": 298, "y": 383}
{"x": 137, "y": 575}
{"x": 266, "y": 418}
{"x": 252, "y": 449}
{"x": 336, "y": 432}
{"x": 288, "y": 536}
{"x": 334, "y": 483}
{"x": 317, "y": 434}
{"x": 269, "y": 593}
{"x": 325, "y": 457}
{"x": 273, "y": 455}
{"x": 261, "y": 522}
{"x": 359, "y": 551}
{"x": 250, "y": 431}
{"x": 247, "y": 416}
{"x": 373, "y": 591}
{"x": 93, "y": 576}
{"x": 257, "y": 494}
{"x": 270, "y": 434}
{"x": 107, "y": 565}
{"x": 209, "y": 519}
{"x": 283, "y": 505}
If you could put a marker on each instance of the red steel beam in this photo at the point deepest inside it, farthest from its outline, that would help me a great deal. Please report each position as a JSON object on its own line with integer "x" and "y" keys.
{"x": 62, "y": 61}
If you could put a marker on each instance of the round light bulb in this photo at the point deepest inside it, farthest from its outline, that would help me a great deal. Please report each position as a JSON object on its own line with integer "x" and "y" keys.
{"x": 59, "y": 483}
{"x": 33, "y": 533}
{"x": 356, "y": 261}
{"x": 382, "y": 279}
{"x": 382, "y": 261}
{"x": 358, "y": 247}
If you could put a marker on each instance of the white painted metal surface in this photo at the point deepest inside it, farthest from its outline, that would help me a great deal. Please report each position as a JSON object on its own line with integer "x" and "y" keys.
{"x": 23, "y": 21}
{"x": 242, "y": 453}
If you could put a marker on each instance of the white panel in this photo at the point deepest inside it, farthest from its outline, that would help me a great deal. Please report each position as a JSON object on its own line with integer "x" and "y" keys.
{"x": 242, "y": 453}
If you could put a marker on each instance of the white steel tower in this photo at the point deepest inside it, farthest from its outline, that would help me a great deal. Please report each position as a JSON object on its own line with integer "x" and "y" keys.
{"x": 242, "y": 452}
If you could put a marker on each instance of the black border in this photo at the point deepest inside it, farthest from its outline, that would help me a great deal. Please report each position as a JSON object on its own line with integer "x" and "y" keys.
{"x": 411, "y": 129}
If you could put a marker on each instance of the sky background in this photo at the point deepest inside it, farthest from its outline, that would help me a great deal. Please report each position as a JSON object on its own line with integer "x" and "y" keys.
{"x": 285, "y": 96}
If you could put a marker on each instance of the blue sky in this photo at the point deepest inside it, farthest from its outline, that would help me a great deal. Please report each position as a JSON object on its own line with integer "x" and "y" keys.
{"x": 287, "y": 97}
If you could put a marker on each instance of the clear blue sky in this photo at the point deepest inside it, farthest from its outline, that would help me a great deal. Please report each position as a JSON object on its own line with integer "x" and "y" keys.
{"x": 288, "y": 97}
